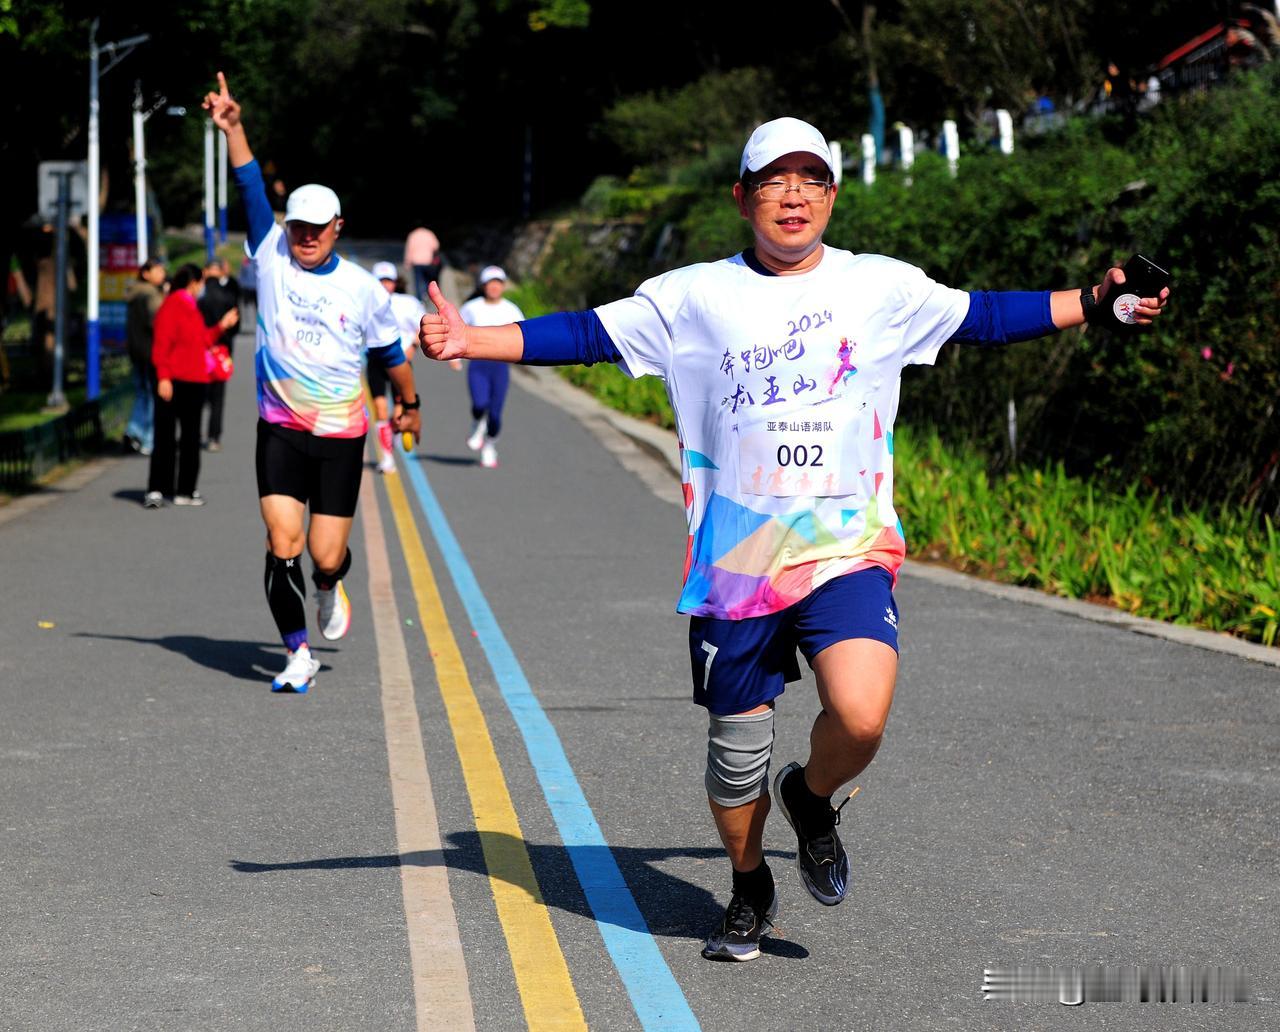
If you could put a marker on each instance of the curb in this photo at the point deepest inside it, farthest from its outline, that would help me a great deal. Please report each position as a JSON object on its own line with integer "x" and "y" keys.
{"x": 73, "y": 481}
{"x": 662, "y": 454}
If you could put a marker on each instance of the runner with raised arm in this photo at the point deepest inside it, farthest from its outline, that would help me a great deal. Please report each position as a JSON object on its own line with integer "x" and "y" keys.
{"x": 317, "y": 313}
{"x": 783, "y": 366}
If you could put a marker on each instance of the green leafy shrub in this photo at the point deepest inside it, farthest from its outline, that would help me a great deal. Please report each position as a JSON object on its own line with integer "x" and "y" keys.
{"x": 1189, "y": 407}
{"x": 1136, "y": 549}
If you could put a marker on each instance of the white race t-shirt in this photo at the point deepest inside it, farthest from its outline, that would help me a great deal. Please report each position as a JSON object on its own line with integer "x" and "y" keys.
{"x": 785, "y": 390}
{"x": 479, "y": 312}
{"x": 312, "y": 330}
{"x": 408, "y": 312}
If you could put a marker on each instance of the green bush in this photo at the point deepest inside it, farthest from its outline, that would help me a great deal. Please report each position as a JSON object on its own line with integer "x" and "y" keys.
{"x": 1189, "y": 407}
{"x": 1136, "y": 549}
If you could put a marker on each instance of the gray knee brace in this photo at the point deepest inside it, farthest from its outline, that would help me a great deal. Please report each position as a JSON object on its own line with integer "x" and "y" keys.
{"x": 738, "y": 751}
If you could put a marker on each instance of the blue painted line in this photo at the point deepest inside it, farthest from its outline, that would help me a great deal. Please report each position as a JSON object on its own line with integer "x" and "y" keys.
{"x": 659, "y": 1002}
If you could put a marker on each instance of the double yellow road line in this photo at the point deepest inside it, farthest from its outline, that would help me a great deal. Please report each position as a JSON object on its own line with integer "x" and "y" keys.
{"x": 542, "y": 976}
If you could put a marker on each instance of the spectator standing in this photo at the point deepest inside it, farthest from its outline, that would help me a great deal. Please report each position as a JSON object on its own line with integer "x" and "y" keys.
{"x": 422, "y": 258}
{"x": 143, "y": 298}
{"x": 178, "y": 352}
{"x": 221, "y": 295}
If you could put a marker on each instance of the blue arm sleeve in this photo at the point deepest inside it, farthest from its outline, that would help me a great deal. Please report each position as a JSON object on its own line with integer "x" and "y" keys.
{"x": 567, "y": 338}
{"x": 388, "y": 356}
{"x": 1005, "y": 316}
{"x": 257, "y": 209}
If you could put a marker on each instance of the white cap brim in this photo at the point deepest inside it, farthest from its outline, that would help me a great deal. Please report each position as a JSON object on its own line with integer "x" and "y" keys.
{"x": 312, "y": 203}
{"x": 772, "y": 140}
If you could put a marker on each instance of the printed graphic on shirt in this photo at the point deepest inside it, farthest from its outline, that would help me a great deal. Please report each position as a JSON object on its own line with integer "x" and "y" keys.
{"x": 312, "y": 332}
{"x": 785, "y": 390}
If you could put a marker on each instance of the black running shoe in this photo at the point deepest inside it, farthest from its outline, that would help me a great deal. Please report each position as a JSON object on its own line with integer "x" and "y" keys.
{"x": 739, "y": 933}
{"x": 820, "y": 856}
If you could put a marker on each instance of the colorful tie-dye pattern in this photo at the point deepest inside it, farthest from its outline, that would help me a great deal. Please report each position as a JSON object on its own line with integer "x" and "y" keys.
{"x": 313, "y": 329}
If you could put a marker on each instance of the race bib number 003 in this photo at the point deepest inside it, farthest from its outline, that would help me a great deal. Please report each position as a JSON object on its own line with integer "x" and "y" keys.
{"x": 795, "y": 456}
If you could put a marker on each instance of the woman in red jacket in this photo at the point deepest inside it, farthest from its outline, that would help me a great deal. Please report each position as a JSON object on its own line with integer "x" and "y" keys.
{"x": 179, "y": 352}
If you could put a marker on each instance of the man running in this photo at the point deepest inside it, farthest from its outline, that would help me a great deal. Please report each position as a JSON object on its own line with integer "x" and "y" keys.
{"x": 317, "y": 313}
{"x": 783, "y": 365}
{"x": 408, "y": 311}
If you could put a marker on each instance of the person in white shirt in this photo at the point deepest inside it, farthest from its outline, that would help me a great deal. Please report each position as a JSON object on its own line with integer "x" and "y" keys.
{"x": 318, "y": 316}
{"x": 408, "y": 312}
{"x": 783, "y": 365}
{"x": 488, "y": 381}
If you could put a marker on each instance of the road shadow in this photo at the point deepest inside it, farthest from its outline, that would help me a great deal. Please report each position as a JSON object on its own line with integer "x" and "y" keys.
{"x": 244, "y": 660}
{"x": 450, "y": 460}
{"x": 130, "y": 494}
{"x": 669, "y": 905}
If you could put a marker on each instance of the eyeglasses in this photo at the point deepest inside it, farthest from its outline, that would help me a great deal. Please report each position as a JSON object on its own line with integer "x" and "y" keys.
{"x": 809, "y": 190}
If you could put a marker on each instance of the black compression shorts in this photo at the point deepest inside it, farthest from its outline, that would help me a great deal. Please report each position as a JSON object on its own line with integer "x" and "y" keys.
{"x": 324, "y": 472}
{"x": 378, "y": 379}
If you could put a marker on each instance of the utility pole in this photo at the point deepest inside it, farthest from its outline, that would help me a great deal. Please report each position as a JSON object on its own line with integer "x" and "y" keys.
{"x": 139, "y": 174}
{"x": 57, "y": 399}
{"x": 222, "y": 188}
{"x": 118, "y": 51}
{"x": 208, "y": 190}
{"x": 140, "y": 118}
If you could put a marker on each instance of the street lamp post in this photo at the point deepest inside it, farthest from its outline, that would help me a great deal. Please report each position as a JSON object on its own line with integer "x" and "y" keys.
{"x": 117, "y": 51}
{"x": 208, "y": 190}
{"x": 222, "y": 188}
{"x": 140, "y": 174}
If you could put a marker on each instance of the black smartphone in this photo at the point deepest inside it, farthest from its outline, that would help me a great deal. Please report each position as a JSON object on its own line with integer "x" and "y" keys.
{"x": 1141, "y": 272}
{"x": 1142, "y": 278}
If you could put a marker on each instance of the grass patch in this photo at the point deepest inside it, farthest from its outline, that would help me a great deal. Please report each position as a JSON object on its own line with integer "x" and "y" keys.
{"x": 24, "y": 406}
{"x": 1135, "y": 550}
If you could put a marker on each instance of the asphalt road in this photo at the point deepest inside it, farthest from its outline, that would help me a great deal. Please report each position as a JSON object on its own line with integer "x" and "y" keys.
{"x": 181, "y": 849}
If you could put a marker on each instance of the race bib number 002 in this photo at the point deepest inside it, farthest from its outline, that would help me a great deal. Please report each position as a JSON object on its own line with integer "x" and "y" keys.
{"x": 795, "y": 456}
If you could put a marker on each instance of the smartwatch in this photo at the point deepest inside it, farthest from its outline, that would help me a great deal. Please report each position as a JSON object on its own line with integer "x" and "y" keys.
{"x": 409, "y": 406}
{"x": 1089, "y": 306}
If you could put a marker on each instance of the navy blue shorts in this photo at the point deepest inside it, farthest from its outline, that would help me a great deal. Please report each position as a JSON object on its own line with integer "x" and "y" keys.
{"x": 740, "y": 664}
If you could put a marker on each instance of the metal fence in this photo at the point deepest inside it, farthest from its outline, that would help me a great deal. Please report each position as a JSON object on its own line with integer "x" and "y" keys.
{"x": 27, "y": 455}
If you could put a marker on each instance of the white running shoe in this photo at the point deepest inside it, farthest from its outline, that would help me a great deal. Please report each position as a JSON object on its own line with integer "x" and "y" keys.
{"x": 299, "y": 674}
{"x": 152, "y": 500}
{"x": 489, "y": 455}
{"x": 334, "y": 612}
{"x": 194, "y": 498}
{"x": 476, "y": 441}
{"x": 387, "y": 464}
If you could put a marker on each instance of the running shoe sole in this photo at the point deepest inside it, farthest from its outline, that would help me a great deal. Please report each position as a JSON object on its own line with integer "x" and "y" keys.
{"x": 814, "y": 891}
{"x": 278, "y": 685}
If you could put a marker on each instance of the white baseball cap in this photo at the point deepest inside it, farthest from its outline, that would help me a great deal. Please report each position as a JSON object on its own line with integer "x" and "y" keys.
{"x": 782, "y": 136}
{"x": 384, "y": 270}
{"x": 491, "y": 272}
{"x": 312, "y": 203}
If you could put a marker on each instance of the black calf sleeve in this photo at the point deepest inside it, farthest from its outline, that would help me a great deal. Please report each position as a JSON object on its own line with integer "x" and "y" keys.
{"x": 286, "y": 595}
{"x": 326, "y": 581}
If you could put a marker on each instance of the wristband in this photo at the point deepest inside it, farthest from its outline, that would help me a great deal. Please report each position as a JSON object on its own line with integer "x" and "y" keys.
{"x": 409, "y": 406}
{"x": 1089, "y": 306}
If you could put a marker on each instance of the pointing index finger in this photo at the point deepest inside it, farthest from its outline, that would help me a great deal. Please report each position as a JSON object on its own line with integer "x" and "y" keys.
{"x": 222, "y": 87}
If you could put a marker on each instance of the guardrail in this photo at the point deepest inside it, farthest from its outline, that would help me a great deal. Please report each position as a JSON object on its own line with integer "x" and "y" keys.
{"x": 88, "y": 428}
